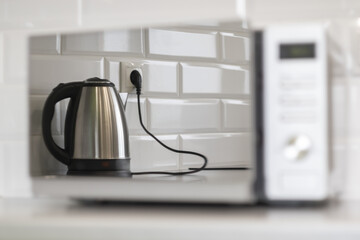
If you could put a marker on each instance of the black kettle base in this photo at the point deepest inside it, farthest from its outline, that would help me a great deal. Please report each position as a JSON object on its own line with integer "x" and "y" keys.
{"x": 100, "y": 167}
{"x": 125, "y": 174}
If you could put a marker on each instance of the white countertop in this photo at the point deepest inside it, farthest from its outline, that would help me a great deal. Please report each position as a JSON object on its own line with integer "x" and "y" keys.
{"x": 235, "y": 186}
{"x": 64, "y": 219}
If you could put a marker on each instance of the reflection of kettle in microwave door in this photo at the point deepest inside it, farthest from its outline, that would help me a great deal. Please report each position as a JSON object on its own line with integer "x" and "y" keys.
{"x": 96, "y": 134}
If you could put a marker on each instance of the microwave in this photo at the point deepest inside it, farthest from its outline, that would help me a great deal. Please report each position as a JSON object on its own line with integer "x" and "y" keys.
{"x": 291, "y": 113}
{"x": 290, "y": 140}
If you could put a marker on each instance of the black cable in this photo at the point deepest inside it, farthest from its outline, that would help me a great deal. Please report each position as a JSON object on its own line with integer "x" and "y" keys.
{"x": 195, "y": 170}
{"x": 136, "y": 80}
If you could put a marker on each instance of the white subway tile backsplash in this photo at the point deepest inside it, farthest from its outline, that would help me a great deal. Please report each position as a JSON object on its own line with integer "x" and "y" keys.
{"x": 232, "y": 149}
{"x": 42, "y": 162}
{"x": 132, "y": 115}
{"x": 46, "y": 72}
{"x": 44, "y": 45}
{"x": 112, "y": 72}
{"x": 36, "y": 108}
{"x": 236, "y": 115}
{"x": 39, "y": 156}
{"x": 180, "y": 115}
{"x": 178, "y": 98}
{"x": 185, "y": 44}
{"x": 235, "y": 49}
{"x": 130, "y": 41}
{"x": 82, "y": 42}
{"x": 160, "y": 77}
{"x": 147, "y": 154}
{"x": 219, "y": 80}
{"x": 122, "y": 41}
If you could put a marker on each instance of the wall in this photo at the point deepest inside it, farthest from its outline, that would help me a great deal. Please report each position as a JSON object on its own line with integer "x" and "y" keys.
{"x": 195, "y": 91}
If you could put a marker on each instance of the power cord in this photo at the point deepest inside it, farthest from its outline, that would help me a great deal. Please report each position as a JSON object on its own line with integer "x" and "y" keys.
{"x": 136, "y": 79}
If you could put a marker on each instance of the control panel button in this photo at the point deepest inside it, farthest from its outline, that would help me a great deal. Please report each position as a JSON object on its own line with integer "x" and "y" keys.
{"x": 297, "y": 147}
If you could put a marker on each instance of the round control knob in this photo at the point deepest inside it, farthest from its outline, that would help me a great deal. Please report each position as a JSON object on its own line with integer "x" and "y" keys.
{"x": 297, "y": 147}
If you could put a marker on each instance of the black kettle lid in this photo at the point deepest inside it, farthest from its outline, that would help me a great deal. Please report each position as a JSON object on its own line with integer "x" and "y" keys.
{"x": 95, "y": 81}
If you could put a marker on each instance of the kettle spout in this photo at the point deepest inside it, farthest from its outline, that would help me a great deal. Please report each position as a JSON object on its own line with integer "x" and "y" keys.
{"x": 124, "y": 98}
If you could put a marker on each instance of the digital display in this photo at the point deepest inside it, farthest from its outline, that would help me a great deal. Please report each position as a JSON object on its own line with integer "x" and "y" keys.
{"x": 304, "y": 50}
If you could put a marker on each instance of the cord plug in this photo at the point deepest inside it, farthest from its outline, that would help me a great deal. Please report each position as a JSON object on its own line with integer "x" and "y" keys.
{"x": 136, "y": 80}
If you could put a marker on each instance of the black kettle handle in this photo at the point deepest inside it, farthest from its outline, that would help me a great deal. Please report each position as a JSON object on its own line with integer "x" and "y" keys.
{"x": 62, "y": 91}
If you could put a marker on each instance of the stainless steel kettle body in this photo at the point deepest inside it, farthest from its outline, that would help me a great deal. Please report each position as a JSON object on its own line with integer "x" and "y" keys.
{"x": 96, "y": 134}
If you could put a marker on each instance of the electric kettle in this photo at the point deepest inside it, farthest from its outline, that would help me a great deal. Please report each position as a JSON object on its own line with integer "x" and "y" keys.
{"x": 96, "y": 134}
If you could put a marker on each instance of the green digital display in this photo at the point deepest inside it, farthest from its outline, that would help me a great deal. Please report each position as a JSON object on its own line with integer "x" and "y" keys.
{"x": 303, "y": 50}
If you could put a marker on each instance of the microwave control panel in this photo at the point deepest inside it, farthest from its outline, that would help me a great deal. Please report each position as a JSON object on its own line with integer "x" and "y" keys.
{"x": 295, "y": 113}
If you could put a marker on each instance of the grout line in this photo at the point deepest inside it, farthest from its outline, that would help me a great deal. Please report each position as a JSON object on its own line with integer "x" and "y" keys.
{"x": 109, "y": 54}
{"x": 106, "y": 68}
{"x": 65, "y": 57}
{"x": 220, "y": 49}
{"x": 181, "y": 156}
{"x": 136, "y": 57}
{"x": 147, "y": 111}
{"x": 62, "y": 44}
{"x": 222, "y": 115}
{"x": 145, "y": 42}
{"x": 179, "y": 79}
{"x": 182, "y": 58}
{"x": 58, "y": 44}
{"x": 102, "y": 68}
